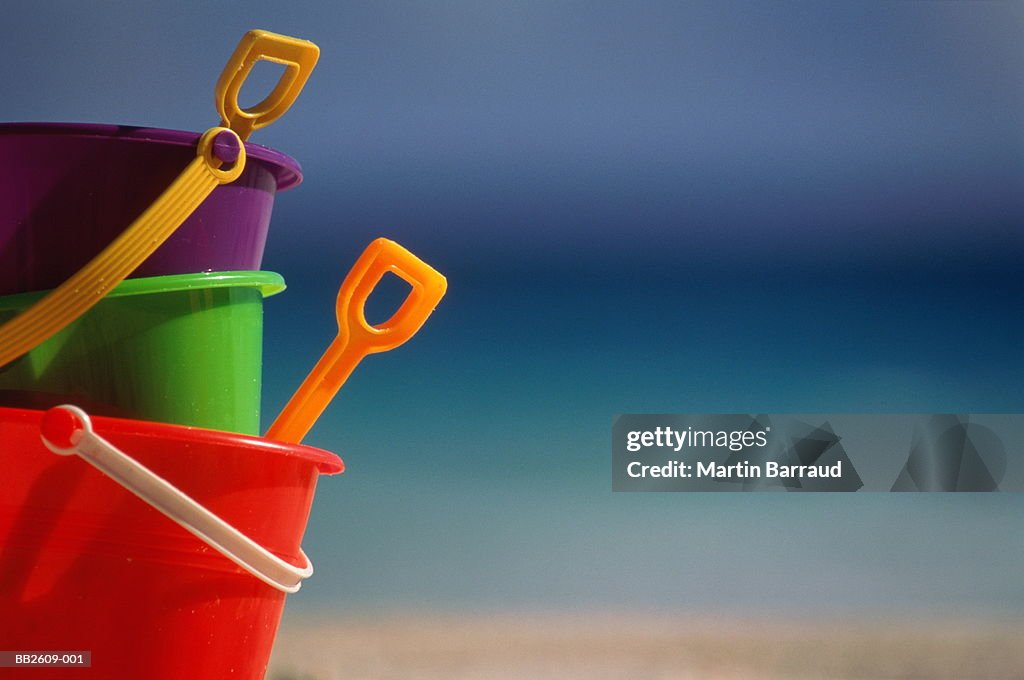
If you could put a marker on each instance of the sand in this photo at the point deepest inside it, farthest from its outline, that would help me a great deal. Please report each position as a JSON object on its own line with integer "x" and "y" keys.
{"x": 501, "y": 647}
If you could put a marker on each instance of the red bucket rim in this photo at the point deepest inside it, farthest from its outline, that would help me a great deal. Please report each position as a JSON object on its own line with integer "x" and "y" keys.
{"x": 286, "y": 170}
{"x": 327, "y": 463}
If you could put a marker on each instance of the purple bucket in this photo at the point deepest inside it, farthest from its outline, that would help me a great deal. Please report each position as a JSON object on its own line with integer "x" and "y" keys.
{"x": 68, "y": 189}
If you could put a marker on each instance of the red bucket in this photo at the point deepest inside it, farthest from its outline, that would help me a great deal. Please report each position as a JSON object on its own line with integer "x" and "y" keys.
{"x": 86, "y": 565}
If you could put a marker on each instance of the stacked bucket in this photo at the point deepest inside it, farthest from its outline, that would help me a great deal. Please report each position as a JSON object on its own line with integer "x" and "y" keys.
{"x": 130, "y": 287}
{"x": 179, "y": 342}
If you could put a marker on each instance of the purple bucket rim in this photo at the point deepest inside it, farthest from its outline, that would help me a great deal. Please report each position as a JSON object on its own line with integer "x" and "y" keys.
{"x": 286, "y": 170}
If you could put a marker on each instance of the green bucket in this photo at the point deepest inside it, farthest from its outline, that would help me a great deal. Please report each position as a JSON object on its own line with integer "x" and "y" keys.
{"x": 184, "y": 349}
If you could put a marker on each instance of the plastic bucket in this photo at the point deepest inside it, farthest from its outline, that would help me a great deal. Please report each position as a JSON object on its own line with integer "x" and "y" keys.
{"x": 67, "y": 190}
{"x": 87, "y": 566}
{"x": 183, "y": 349}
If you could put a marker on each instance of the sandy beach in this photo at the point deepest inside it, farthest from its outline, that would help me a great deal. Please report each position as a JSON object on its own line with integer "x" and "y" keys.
{"x": 630, "y": 646}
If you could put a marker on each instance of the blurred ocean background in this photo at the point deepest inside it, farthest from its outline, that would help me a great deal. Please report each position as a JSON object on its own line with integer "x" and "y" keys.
{"x": 640, "y": 207}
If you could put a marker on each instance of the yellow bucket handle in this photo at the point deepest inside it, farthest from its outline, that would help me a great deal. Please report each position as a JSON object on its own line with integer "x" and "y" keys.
{"x": 220, "y": 159}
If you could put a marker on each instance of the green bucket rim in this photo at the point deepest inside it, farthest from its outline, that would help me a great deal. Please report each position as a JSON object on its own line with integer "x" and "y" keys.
{"x": 268, "y": 283}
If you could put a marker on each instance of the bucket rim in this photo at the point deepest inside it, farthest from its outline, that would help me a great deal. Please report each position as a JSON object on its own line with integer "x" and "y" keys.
{"x": 268, "y": 284}
{"x": 327, "y": 463}
{"x": 286, "y": 170}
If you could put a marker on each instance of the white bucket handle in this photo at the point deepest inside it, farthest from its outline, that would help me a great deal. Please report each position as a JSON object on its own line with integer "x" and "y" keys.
{"x": 171, "y": 501}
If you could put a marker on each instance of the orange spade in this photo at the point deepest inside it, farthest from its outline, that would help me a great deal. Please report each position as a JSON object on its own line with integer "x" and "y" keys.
{"x": 356, "y": 337}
